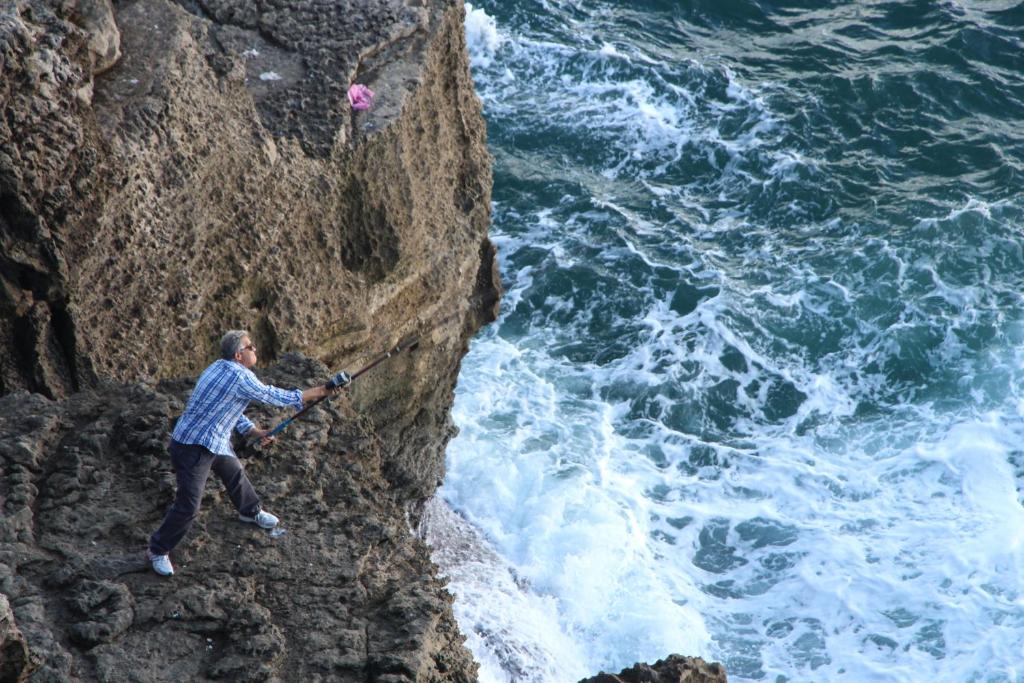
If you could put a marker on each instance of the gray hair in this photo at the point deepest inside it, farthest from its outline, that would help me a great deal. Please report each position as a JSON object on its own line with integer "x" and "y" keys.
{"x": 231, "y": 343}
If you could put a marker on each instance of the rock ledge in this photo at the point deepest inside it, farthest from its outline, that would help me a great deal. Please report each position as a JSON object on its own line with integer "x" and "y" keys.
{"x": 346, "y": 594}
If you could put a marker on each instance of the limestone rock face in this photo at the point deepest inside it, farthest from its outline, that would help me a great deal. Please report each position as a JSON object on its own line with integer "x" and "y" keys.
{"x": 170, "y": 170}
{"x": 213, "y": 176}
{"x": 672, "y": 669}
{"x": 346, "y": 594}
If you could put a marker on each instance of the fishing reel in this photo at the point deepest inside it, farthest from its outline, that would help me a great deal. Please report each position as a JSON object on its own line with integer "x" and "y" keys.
{"x": 340, "y": 380}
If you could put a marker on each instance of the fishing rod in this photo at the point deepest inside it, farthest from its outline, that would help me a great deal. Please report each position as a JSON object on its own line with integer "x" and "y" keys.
{"x": 339, "y": 381}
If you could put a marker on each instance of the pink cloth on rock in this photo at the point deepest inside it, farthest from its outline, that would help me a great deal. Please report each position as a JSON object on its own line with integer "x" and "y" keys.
{"x": 360, "y": 97}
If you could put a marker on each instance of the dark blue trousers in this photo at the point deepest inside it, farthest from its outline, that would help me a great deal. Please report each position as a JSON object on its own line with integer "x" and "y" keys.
{"x": 192, "y": 465}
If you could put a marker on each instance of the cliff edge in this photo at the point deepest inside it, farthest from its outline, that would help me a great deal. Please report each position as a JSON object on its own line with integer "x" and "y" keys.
{"x": 169, "y": 170}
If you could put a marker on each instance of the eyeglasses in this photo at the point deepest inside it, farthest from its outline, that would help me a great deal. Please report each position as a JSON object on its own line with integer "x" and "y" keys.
{"x": 250, "y": 347}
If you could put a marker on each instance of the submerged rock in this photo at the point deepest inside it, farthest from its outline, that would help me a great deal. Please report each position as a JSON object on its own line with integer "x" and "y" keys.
{"x": 673, "y": 669}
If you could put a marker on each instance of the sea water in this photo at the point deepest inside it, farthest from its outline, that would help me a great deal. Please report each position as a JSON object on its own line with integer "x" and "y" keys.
{"x": 757, "y": 388}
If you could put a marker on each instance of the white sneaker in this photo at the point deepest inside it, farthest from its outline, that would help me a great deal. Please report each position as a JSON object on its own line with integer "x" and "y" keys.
{"x": 263, "y": 519}
{"x": 161, "y": 563}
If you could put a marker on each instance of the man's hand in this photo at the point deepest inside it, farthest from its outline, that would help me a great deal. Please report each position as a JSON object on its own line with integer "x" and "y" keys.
{"x": 262, "y": 435}
{"x": 315, "y": 393}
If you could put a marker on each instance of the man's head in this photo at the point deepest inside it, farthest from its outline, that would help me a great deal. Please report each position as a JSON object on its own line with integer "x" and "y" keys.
{"x": 237, "y": 346}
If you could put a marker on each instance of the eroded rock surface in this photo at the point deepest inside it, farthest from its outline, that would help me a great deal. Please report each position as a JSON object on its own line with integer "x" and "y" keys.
{"x": 196, "y": 167}
{"x": 15, "y": 661}
{"x": 346, "y": 594}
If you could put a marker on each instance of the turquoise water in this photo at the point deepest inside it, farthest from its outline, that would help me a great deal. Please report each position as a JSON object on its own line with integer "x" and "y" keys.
{"x": 756, "y": 392}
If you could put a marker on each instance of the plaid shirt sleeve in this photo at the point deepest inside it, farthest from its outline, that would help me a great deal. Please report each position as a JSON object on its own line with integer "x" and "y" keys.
{"x": 244, "y": 425}
{"x": 251, "y": 389}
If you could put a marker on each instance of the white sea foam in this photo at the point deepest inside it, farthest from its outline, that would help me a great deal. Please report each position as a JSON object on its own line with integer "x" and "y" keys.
{"x": 559, "y": 506}
{"x": 482, "y": 37}
{"x": 610, "y": 50}
{"x": 513, "y": 631}
{"x": 849, "y": 521}
{"x": 586, "y": 531}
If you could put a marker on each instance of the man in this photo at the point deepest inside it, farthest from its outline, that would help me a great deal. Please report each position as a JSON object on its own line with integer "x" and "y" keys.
{"x": 201, "y": 441}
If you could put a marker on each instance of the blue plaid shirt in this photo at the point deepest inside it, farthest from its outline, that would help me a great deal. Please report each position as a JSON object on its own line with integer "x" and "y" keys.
{"x": 217, "y": 403}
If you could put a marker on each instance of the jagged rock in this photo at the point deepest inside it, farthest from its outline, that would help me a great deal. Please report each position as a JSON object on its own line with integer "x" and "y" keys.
{"x": 348, "y": 593}
{"x": 96, "y": 18}
{"x": 217, "y": 177}
{"x": 108, "y": 608}
{"x": 672, "y": 669}
{"x": 15, "y": 662}
{"x": 154, "y": 191}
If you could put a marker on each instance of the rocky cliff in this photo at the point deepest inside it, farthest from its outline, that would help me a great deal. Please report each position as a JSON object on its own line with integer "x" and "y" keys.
{"x": 169, "y": 170}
